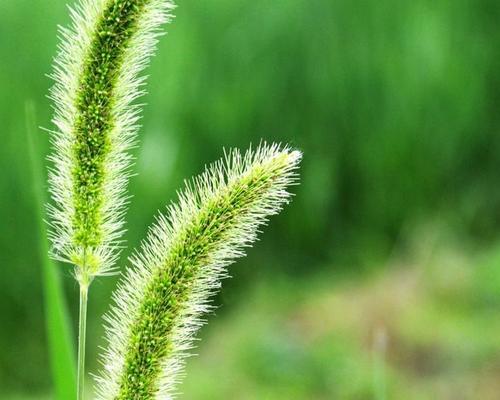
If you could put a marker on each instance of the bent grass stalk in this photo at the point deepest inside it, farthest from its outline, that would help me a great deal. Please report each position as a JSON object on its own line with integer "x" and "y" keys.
{"x": 96, "y": 79}
{"x": 158, "y": 305}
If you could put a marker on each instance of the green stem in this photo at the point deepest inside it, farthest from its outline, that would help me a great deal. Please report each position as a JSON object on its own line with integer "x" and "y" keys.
{"x": 82, "y": 332}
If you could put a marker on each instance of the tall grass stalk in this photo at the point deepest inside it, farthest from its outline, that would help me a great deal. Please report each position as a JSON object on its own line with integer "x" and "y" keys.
{"x": 96, "y": 80}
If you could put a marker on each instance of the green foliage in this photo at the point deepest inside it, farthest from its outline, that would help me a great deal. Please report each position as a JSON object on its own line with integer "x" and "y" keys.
{"x": 394, "y": 102}
{"x": 281, "y": 342}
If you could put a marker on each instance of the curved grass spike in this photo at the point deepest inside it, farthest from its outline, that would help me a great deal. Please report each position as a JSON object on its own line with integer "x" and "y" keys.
{"x": 96, "y": 80}
{"x": 158, "y": 305}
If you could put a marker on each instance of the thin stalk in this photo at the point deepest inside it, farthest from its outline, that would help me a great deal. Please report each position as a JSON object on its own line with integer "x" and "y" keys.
{"x": 82, "y": 332}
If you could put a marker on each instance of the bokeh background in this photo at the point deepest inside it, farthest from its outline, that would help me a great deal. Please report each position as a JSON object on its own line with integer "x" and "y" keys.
{"x": 382, "y": 279}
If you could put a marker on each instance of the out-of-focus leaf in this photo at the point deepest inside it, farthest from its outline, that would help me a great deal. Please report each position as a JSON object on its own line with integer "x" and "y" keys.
{"x": 57, "y": 322}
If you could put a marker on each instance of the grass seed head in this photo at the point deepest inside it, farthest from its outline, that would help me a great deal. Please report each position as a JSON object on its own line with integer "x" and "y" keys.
{"x": 97, "y": 78}
{"x": 160, "y": 301}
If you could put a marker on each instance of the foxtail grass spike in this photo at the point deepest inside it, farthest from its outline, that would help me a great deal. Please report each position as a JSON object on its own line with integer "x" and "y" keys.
{"x": 159, "y": 303}
{"x": 97, "y": 78}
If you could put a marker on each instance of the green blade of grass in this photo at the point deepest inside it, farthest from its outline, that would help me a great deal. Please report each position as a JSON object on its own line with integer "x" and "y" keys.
{"x": 57, "y": 321}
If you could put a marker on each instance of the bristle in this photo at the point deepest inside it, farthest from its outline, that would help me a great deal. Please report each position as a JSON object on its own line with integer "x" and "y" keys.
{"x": 97, "y": 78}
{"x": 159, "y": 303}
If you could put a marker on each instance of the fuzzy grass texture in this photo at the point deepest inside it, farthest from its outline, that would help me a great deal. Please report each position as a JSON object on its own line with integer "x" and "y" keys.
{"x": 96, "y": 81}
{"x": 97, "y": 78}
{"x": 158, "y": 306}
{"x": 160, "y": 302}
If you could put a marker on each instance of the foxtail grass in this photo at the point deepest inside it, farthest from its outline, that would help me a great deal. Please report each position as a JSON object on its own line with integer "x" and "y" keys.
{"x": 163, "y": 295}
{"x": 158, "y": 306}
{"x": 97, "y": 78}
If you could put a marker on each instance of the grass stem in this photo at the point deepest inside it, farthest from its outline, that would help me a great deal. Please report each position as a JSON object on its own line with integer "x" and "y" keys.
{"x": 82, "y": 332}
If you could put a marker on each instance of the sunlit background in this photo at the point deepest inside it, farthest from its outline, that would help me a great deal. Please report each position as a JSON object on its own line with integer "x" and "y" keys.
{"x": 382, "y": 279}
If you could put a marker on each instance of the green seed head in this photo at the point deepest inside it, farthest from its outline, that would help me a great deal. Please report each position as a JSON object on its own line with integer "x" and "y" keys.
{"x": 159, "y": 303}
{"x": 96, "y": 80}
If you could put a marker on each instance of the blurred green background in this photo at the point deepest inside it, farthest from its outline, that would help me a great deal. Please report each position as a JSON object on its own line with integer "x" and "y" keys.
{"x": 382, "y": 279}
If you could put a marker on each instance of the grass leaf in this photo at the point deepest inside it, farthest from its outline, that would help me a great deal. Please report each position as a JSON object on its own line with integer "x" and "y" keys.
{"x": 57, "y": 321}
